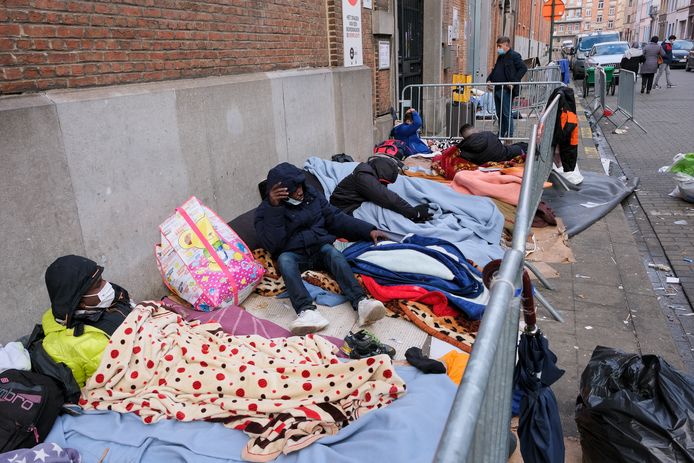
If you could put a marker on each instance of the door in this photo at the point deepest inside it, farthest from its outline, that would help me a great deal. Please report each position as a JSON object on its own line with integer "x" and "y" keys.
{"x": 410, "y": 46}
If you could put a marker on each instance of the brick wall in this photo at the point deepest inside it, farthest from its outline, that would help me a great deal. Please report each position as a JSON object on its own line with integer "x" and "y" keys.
{"x": 47, "y": 44}
{"x": 458, "y": 66}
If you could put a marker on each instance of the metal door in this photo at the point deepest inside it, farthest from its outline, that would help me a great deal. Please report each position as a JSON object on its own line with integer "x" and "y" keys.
{"x": 410, "y": 45}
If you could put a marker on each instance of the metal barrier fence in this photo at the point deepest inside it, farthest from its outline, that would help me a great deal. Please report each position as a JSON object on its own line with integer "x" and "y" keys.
{"x": 508, "y": 109}
{"x": 625, "y": 97}
{"x": 551, "y": 73}
{"x": 600, "y": 100}
{"x": 478, "y": 425}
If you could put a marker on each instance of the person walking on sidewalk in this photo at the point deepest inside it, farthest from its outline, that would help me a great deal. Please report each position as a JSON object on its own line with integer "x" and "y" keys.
{"x": 664, "y": 67}
{"x": 509, "y": 67}
{"x": 649, "y": 66}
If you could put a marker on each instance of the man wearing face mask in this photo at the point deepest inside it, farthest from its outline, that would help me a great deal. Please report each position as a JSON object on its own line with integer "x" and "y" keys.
{"x": 298, "y": 226}
{"x": 509, "y": 67}
{"x": 85, "y": 312}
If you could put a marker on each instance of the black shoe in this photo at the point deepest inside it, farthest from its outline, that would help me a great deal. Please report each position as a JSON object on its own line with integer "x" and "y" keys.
{"x": 363, "y": 344}
{"x": 642, "y": 89}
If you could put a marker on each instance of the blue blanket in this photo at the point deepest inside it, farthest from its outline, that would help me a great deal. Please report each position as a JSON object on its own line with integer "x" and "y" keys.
{"x": 406, "y": 430}
{"x": 472, "y": 223}
{"x": 465, "y": 290}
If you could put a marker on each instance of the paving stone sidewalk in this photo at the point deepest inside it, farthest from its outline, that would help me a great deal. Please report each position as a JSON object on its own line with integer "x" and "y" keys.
{"x": 606, "y": 297}
{"x": 662, "y": 225}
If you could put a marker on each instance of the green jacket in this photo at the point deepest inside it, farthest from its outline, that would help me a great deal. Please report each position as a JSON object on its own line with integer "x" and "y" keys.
{"x": 81, "y": 354}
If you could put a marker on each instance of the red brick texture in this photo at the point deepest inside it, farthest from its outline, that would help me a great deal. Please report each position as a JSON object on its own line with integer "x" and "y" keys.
{"x": 46, "y": 44}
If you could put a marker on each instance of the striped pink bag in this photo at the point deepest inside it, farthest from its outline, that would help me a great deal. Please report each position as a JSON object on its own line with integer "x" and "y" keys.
{"x": 203, "y": 261}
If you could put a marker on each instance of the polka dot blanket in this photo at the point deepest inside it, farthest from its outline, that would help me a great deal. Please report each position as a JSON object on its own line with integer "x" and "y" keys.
{"x": 284, "y": 393}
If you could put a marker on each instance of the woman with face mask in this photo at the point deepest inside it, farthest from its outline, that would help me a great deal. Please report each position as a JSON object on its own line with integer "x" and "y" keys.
{"x": 85, "y": 311}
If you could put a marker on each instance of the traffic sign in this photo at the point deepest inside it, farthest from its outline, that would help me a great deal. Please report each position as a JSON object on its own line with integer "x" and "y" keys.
{"x": 558, "y": 9}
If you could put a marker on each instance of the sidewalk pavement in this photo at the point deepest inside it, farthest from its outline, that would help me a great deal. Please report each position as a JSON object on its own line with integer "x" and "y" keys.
{"x": 605, "y": 297}
{"x": 664, "y": 226}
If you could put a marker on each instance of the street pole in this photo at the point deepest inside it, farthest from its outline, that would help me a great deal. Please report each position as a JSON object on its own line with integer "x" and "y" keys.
{"x": 551, "y": 33}
{"x": 530, "y": 32}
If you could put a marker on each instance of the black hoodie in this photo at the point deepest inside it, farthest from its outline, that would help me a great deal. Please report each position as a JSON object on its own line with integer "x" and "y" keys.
{"x": 67, "y": 280}
{"x": 483, "y": 147}
{"x": 303, "y": 228}
{"x": 368, "y": 183}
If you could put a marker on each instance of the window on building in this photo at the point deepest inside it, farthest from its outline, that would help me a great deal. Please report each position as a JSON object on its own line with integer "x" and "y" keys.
{"x": 561, "y": 28}
{"x": 630, "y": 2}
{"x": 586, "y": 26}
{"x": 611, "y": 11}
{"x": 598, "y": 19}
{"x": 601, "y": 5}
{"x": 610, "y": 24}
{"x": 578, "y": 13}
{"x": 588, "y": 12}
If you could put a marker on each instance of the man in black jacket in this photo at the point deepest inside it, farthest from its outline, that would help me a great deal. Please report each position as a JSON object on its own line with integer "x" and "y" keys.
{"x": 297, "y": 226}
{"x": 483, "y": 147}
{"x": 369, "y": 182}
{"x": 509, "y": 67}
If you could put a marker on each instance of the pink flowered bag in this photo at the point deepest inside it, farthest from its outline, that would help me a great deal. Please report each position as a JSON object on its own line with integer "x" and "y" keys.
{"x": 202, "y": 260}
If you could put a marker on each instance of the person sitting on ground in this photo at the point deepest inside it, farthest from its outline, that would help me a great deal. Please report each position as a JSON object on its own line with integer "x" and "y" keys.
{"x": 483, "y": 147}
{"x": 408, "y": 132}
{"x": 369, "y": 182}
{"x": 85, "y": 311}
{"x": 297, "y": 225}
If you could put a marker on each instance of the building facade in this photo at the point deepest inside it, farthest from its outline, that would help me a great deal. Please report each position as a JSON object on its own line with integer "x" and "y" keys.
{"x": 569, "y": 26}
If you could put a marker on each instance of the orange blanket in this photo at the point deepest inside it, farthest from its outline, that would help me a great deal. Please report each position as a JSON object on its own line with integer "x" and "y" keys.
{"x": 505, "y": 188}
{"x": 504, "y": 185}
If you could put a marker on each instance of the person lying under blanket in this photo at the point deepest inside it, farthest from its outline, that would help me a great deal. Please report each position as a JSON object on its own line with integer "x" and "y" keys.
{"x": 369, "y": 182}
{"x": 297, "y": 226}
{"x": 85, "y": 311}
{"x": 484, "y": 147}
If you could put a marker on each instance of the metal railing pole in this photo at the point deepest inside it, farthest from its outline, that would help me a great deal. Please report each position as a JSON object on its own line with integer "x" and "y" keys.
{"x": 457, "y": 439}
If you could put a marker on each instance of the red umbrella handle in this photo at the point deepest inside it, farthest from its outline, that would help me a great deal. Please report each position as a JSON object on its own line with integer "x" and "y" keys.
{"x": 529, "y": 314}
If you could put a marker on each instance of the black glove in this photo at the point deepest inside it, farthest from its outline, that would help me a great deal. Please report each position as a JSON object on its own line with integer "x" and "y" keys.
{"x": 423, "y": 213}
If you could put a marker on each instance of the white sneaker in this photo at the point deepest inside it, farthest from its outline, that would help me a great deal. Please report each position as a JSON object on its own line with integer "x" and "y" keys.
{"x": 308, "y": 321}
{"x": 370, "y": 310}
{"x": 573, "y": 176}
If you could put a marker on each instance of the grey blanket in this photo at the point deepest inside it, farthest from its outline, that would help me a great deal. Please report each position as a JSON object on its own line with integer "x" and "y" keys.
{"x": 472, "y": 223}
{"x": 596, "y": 196}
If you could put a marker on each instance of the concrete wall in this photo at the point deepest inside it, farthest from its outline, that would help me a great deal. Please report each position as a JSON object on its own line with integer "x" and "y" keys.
{"x": 94, "y": 172}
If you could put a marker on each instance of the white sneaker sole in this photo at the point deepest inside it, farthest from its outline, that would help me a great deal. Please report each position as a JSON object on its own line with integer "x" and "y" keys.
{"x": 373, "y": 316}
{"x": 303, "y": 330}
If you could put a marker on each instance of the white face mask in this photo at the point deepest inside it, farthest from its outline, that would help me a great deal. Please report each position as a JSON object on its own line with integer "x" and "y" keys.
{"x": 294, "y": 202}
{"x": 105, "y": 295}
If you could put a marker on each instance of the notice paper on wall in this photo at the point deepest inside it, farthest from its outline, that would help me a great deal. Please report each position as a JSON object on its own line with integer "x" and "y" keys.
{"x": 351, "y": 32}
{"x": 383, "y": 54}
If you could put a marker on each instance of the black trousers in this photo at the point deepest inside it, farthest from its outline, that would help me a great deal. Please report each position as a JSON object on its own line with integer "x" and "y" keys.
{"x": 647, "y": 81}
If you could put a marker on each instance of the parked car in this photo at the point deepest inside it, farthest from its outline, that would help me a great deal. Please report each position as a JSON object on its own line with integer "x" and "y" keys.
{"x": 680, "y": 52}
{"x": 690, "y": 61}
{"x": 607, "y": 54}
{"x": 584, "y": 43}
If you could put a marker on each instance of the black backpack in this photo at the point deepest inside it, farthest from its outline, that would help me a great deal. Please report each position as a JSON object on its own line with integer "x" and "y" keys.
{"x": 29, "y": 404}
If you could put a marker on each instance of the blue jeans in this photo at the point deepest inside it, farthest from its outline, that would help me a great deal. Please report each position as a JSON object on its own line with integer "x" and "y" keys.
{"x": 502, "y": 102}
{"x": 292, "y": 264}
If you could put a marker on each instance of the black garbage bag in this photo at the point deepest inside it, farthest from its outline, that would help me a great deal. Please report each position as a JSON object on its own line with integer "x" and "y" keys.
{"x": 635, "y": 409}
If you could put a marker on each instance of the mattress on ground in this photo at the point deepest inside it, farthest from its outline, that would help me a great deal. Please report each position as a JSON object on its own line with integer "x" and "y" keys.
{"x": 408, "y": 430}
{"x": 596, "y": 196}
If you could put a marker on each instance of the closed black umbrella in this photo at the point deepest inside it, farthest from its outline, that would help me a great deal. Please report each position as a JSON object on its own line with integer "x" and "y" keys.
{"x": 539, "y": 428}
